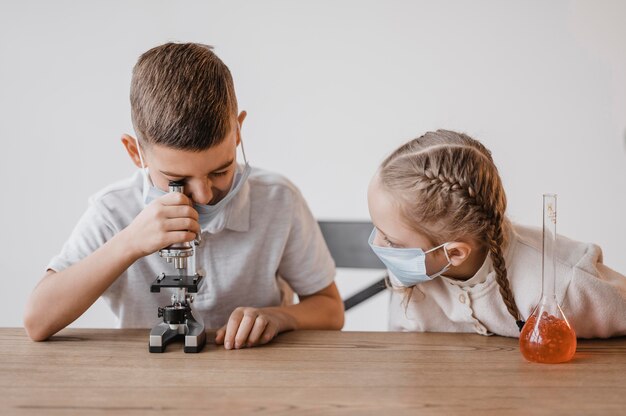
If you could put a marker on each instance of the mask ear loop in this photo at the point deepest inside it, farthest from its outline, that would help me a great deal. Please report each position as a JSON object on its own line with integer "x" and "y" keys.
{"x": 243, "y": 149}
{"x": 445, "y": 251}
{"x": 437, "y": 248}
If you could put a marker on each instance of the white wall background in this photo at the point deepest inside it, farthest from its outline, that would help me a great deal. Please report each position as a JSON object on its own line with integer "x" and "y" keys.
{"x": 330, "y": 87}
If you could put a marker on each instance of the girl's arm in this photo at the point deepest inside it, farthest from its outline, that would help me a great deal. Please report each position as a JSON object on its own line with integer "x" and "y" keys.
{"x": 595, "y": 301}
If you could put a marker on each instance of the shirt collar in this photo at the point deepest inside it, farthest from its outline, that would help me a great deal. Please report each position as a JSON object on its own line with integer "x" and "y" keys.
{"x": 478, "y": 278}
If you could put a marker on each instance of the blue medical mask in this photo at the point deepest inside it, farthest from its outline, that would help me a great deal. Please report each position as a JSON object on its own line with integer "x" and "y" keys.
{"x": 206, "y": 213}
{"x": 407, "y": 265}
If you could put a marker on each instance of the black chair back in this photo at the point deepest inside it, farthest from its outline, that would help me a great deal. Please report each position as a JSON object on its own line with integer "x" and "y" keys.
{"x": 347, "y": 242}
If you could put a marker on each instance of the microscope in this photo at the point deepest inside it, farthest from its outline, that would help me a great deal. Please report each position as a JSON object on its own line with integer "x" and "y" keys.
{"x": 178, "y": 318}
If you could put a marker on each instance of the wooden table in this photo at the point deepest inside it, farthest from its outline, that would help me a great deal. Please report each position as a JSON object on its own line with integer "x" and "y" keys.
{"x": 85, "y": 371}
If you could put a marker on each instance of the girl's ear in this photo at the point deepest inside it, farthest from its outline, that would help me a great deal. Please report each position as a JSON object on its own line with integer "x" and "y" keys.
{"x": 130, "y": 144}
{"x": 458, "y": 252}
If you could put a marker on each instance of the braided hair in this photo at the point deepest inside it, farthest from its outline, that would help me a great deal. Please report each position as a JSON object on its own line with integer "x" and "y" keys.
{"x": 448, "y": 177}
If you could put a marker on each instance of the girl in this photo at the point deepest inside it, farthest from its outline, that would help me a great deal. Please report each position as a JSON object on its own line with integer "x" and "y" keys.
{"x": 459, "y": 265}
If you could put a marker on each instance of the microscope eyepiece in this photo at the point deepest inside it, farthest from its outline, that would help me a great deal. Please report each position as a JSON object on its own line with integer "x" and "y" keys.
{"x": 176, "y": 186}
{"x": 177, "y": 183}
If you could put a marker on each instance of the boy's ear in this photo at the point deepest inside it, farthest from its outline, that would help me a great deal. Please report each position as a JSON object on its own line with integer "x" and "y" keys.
{"x": 130, "y": 144}
{"x": 458, "y": 252}
{"x": 240, "y": 118}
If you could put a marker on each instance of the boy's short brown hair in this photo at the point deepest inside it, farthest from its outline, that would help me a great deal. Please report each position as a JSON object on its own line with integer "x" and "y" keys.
{"x": 182, "y": 96}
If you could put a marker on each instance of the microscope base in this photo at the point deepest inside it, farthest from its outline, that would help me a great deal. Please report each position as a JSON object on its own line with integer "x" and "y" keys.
{"x": 192, "y": 332}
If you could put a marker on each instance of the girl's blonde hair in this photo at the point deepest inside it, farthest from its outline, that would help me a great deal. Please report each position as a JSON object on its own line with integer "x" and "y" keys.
{"x": 448, "y": 188}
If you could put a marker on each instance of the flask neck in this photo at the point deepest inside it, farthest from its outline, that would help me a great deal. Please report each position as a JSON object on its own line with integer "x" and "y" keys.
{"x": 549, "y": 247}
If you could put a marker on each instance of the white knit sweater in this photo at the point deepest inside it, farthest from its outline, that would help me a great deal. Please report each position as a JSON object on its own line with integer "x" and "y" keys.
{"x": 592, "y": 296}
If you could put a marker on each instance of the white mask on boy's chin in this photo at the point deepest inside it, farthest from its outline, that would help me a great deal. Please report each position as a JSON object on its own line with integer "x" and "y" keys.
{"x": 211, "y": 217}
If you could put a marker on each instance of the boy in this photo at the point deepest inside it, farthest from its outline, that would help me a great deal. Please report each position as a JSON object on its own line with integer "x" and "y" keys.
{"x": 255, "y": 226}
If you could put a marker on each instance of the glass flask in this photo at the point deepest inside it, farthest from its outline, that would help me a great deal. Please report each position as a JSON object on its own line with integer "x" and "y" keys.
{"x": 547, "y": 337}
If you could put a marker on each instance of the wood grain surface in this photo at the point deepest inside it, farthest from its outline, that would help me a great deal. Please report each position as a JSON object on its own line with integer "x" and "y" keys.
{"x": 109, "y": 371}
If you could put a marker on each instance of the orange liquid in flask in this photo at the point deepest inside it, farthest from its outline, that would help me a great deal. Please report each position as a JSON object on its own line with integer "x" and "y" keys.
{"x": 546, "y": 336}
{"x": 550, "y": 341}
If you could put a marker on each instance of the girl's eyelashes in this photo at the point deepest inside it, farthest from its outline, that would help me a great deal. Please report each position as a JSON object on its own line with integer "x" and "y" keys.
{"x": 219, "y": 173}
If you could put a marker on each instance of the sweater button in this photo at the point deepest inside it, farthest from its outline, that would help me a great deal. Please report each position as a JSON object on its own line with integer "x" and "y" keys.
{"x": 462, "y": 298}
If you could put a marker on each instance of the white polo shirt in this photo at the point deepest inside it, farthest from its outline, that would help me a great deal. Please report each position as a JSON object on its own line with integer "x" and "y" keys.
{"x": 592, "y": 296}
{"x": 267, "y": 231}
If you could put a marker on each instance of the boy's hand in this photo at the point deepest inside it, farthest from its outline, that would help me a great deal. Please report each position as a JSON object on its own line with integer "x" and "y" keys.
{"x": 248, "y": 327}
{"x": 167, "y": 220}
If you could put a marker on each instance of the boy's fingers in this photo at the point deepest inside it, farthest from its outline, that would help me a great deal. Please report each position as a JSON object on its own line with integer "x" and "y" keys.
{"x": 180, "y": 211}
{"x": 270, "y": 332}
{"x": 219, "y": 335}
{"x": 173, "y": 237}
{"x": 175, "y": 198}
{"x": 182, "y": 224}
{"x": 231, "y": 328}
{"x": 244, "y": 330}
{"x": 257, "y": 330}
